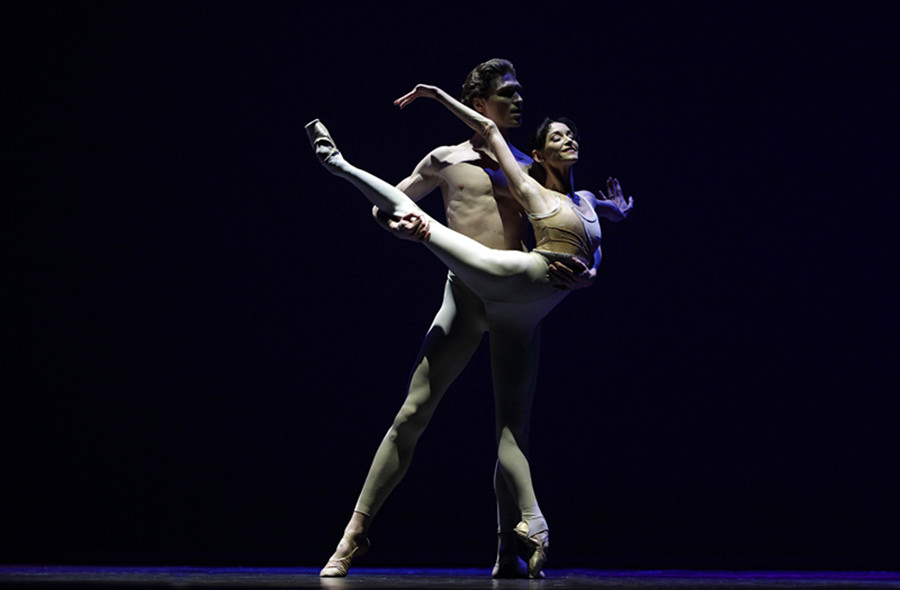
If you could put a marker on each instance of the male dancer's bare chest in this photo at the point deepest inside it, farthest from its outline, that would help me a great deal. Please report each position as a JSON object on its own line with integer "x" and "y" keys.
{"x": 478, "y": 204}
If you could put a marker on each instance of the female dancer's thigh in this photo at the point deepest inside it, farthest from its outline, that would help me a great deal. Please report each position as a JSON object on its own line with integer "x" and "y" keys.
{"x": 495, "y": 275}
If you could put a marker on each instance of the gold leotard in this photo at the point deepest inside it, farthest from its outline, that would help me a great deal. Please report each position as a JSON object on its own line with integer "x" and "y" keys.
{"x": 566, "y": 233}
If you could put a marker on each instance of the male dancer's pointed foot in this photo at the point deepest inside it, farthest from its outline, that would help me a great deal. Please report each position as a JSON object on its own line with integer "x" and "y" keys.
{"x": 321, "y": 140}
{"x": 339, "y": 564}
{"x": 538, "y": 543}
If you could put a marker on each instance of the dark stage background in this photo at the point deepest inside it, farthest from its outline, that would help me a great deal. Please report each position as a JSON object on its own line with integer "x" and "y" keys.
{"x": 206, "y": 336}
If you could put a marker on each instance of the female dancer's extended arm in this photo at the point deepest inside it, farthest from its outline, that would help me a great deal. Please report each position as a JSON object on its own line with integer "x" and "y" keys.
{"x": 526, "y": 190}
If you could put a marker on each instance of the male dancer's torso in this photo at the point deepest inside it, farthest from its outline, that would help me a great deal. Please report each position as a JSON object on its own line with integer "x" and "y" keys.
{"x": 477, "y": 200}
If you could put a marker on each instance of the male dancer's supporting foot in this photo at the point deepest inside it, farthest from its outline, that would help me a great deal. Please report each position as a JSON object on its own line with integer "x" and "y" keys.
{"x": 353, "y": 544}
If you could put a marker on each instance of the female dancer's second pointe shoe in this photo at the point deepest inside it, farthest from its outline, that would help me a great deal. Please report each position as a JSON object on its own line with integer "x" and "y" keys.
{"x": 539, "y": 543}
{"x": 321, "y": 140}
{"x": 337, "y": 567}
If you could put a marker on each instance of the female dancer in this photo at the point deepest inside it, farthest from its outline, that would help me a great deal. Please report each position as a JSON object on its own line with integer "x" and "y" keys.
{"x": 567, "y": 233}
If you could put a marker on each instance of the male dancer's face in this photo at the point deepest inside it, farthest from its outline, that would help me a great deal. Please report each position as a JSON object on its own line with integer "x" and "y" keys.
{"x": 504, "y": 104}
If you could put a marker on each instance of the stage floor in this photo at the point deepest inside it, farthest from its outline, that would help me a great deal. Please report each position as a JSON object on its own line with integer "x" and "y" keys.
{"x": 71, "y": 577}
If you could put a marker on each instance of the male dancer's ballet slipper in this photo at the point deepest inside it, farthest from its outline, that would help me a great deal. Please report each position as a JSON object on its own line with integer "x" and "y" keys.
{"x": 337, "y": 567}
{"x": 321, "y": 140}
{"x": 539, "y": 544}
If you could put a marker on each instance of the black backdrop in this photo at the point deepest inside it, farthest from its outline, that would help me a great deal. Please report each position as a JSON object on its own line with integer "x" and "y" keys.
{"x": 206, "y": 336}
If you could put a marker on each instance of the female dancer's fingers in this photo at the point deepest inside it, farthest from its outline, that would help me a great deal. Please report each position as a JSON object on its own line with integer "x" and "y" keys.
{"x": 423, "y": 230}
{"x": 407, "y": 98}
{"x": 415, "y": 226}
{"x": 420, "y": 90}
{"x": 560, "y": 275}
{"x": 612, "y": 186}
{"x": 403, "y": 100}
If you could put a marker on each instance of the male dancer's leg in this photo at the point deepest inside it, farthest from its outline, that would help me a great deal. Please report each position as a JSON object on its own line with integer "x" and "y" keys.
{"x": 452, "y": 339}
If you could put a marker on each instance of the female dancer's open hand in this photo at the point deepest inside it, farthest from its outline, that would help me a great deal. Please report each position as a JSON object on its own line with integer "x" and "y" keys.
{"x": 615, "y": 206}
{"x": 420, "y": 91}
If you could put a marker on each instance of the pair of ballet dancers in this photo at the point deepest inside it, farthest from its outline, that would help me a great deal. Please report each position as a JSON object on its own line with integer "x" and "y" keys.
{"x": 567, "y": 234}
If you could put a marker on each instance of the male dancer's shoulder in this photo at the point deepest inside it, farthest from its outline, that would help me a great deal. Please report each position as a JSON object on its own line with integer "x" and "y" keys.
{"x": 462, "y": 153}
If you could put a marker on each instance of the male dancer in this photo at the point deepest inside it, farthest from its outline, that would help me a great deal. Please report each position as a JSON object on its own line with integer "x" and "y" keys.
{"x": 478, "y": 204}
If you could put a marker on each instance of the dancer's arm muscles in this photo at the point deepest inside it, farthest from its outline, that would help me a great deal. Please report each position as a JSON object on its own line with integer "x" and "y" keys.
{"x": 422, "y": 181}
{"x": 526, "y": 190}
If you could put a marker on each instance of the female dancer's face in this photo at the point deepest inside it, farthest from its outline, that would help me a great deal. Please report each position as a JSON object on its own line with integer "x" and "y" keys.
{"x": 560, "y": 147}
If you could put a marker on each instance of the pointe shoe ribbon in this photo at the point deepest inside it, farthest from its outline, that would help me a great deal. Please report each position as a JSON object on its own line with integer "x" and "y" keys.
{"x": 337, "y": 567}
{"x": 539, "y": 543}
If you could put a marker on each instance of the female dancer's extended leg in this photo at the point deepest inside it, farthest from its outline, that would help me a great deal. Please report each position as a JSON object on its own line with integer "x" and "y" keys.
{"x": 497, "y": 275}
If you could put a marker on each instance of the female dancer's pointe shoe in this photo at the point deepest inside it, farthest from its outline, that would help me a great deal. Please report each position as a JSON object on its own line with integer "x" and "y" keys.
{"x": 321, "y": 140}
{"x": 337, "y": 567}
{"x": 539, "y": 543}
